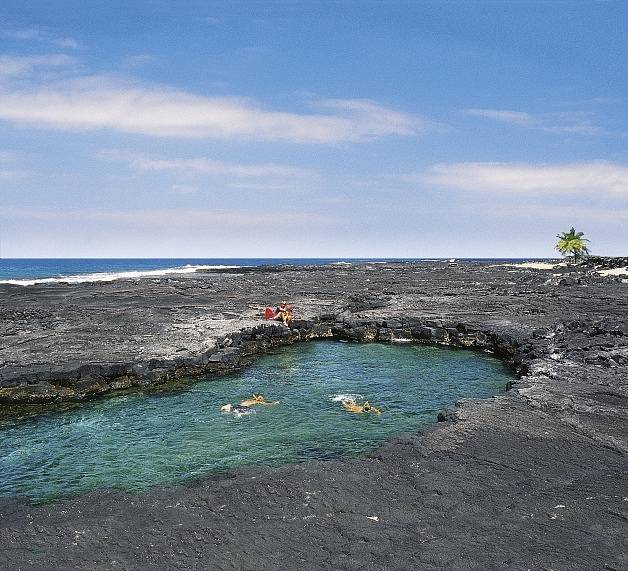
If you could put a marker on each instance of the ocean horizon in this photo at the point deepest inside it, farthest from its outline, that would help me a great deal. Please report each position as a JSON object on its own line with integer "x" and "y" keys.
{"x": 29, "y": 271}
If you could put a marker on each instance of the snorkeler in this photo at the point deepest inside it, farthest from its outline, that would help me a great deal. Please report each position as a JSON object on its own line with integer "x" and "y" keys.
{"x": 352, "y": 406}
{"x": 237, "y": 410}
{"x": 257, "y": 399}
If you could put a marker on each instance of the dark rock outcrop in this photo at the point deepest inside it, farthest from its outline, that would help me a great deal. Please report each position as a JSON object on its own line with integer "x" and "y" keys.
{"x": 534, "y": 478}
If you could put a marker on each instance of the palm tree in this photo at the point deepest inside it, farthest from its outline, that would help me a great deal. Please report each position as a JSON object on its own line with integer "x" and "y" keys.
{"x": 573, "y": 243}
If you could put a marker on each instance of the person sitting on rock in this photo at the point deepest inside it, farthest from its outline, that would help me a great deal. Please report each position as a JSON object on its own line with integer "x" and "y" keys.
{"x": 284, "y": 313}
{"x": 352, "y": 406}
{"x": 257, "y": 399}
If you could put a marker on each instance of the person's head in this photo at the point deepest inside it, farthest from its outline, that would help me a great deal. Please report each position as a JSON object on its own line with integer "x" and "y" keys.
{"x": 283, "y": 304}
{"x": 367, "y": 405}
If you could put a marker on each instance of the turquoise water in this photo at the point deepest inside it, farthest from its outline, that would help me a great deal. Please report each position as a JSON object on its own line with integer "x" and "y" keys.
{"x": 136, "y": 441}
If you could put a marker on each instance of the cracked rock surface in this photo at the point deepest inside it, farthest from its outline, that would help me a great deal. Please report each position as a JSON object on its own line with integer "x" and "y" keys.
{"x": 534, "y": 478}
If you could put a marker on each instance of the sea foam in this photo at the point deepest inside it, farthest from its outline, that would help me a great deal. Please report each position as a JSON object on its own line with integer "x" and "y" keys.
{"x": 342, "y": 397}
{"x": 112, "y": 276}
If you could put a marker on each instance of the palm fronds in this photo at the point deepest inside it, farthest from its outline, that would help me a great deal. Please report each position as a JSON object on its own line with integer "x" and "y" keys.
{"x": 572, "y": 243}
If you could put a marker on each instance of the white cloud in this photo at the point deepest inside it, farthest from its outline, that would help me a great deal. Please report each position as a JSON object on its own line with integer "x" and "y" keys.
{"x": 584, "y": 213}
{"x": 137, "y": 60}
{"x": 40, "y": 35}
{"x": 7, "y": 173}
{"x": 21, "y": 65}
{"x": 381, "y": 118}
{"x": 68, "y": 43}
{"x": 572, "y": 214}
{"x": 265, "y": 187}
{"x": 588, "y": 178}
{"x": 566, "y": 122}
{"x": 13, "y": 174}
{"x": 506, "y": 116}
{"x": 205, "y": 166}
{"x": 184, "y": 189}
{"x": 99, "y": 102}
{"x": 24, "y": 34}
{"x": 168, "y": 218}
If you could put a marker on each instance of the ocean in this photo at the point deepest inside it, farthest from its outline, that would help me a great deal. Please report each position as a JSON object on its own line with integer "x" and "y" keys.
{"x": 29, "y": 271}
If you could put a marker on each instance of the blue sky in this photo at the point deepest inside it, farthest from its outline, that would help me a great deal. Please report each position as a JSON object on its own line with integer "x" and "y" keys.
{"x": 312, "y": 129}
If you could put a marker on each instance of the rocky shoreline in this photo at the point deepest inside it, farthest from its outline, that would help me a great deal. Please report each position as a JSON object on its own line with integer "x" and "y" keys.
{"x": 531, "y": 479}
{"x": 234, "y": 350}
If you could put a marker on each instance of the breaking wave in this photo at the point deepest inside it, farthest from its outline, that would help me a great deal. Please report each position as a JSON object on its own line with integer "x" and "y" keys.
{"x": 112, "y": 276}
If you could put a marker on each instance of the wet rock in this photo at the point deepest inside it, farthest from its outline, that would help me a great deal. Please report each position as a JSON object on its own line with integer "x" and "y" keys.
{"x": 438, "y": 333}
{"x": 384, "y": 334}
{"x": 393, "y": 323}
{"x": 448, "y": 416}
{"x": 422, "y": 332}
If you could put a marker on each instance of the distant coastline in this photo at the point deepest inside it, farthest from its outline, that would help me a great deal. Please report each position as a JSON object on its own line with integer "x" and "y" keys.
{"x": 32, "y": 271}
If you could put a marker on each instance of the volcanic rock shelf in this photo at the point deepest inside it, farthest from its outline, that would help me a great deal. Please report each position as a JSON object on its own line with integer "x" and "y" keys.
{"x": 534, "y": 478}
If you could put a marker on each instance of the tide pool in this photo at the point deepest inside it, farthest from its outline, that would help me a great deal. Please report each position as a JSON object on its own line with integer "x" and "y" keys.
{"x": 139, "y": 440}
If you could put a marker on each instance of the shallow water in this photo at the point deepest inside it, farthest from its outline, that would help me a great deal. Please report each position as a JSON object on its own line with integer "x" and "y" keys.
{"x": 136, "y": 441}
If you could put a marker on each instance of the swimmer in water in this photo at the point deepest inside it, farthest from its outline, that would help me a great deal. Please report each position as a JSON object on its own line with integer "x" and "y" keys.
{"x": 257, "y": 399}
{"x": 352, "y": 406}
{"x": 238, "y": 410}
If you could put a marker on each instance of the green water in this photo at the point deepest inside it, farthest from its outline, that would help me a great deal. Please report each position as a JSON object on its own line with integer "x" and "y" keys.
{"x": 137, "y": 440}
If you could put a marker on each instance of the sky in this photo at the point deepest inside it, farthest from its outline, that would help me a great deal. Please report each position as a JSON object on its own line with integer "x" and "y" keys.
{"x": 216, "y": 129}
